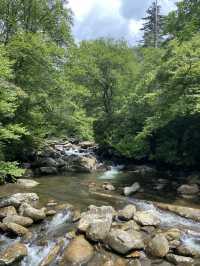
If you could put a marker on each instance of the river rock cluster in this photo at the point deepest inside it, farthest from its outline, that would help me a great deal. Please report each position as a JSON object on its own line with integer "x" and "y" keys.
{"x": 99, "y": 236}
{"x": 67, "y": 156}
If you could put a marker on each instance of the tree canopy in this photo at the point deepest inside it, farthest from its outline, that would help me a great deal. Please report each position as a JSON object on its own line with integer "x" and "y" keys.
{"x": 141, "y": 101}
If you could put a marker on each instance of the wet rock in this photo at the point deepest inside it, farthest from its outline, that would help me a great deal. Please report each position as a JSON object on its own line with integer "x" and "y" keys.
{"x": 146, "y": 218}
{"x": 50, "y": 213}
{"x": 53, "y": 253}
{"x": 96, "y": 222}
{"x": 78, "y": 252}
{"x": 7, "y": 211}
{"x": 47, "y": 170}
{"x": 144, "y": 170}
{"x": 13, "y": 253}
{"x": 186, "y": 212}
{"x": 15, "y": 229}
{"x": 108, "y": 186}
{"x": 29, "y": 211}
{"x": 180, "y": 260}
{"x": 51, "y": 204}
{"x": 127, "y": 212}
{"x": 132, "y": 189}
{"x": 188, "y": 251}
{"x": 17, "y": 199}
{"x": 27, "y": 183}
{"x": 188, "y": 189}
{"x": 21, "y": 220}
{"x": 158, "y": 246}
{"x": 76, "y": 216}
{"x": 123, "y": 241}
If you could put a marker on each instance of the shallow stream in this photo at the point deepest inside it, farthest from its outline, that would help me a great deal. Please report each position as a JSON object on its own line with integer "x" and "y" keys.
{"x": 77, "y": 189}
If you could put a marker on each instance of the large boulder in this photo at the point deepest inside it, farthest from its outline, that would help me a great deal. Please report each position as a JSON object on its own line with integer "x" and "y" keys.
{"x": 48, "y": 170}
{"x": 13, "y": 254}
{"x": 78, "y": 252}
{"x": 189, "y": 189}
{"x": 96, "y": 222}
{"x": 29, "y": 211}
{"x": 50, "y": 162}
{"x": 15, "y": 229}
{"x": 180, "y": 260}
{"x": 146, "y": 218}
{"x": 7, "y": 211}
{"x": 17, "y": 199}
{"x": 123, "y": 241}
{"x": 127, "y": 212}
{"x": 27, "y": 183}
{"x": 21, "y": 220}
{"x": 80, "y": 163}
{"x": 158, "y": 246}
{"x": 87, "y": 144}
{"x": 132, "y": 189}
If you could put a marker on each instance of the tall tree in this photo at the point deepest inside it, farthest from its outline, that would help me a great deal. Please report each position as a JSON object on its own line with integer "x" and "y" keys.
{"x": 51, "y": 17}
{"x": 153, "y": 26}
{"x": 184, "y": 22}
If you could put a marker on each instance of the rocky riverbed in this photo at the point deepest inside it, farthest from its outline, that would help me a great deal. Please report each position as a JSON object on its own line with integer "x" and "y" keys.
{"x": 134, "y": 233}
{"x": 103, "y": 215}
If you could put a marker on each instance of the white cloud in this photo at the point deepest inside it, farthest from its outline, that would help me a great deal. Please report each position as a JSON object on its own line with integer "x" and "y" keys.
{"x": 111, "y": 18}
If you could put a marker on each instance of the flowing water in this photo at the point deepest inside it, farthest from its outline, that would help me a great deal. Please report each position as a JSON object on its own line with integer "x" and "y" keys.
{"x": 75, "y": 189}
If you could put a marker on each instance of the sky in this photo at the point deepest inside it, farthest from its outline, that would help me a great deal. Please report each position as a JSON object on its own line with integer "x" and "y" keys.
{"x": 112, "y": 18}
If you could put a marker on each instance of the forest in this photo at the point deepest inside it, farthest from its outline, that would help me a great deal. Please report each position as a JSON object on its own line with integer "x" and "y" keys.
{"x": 142, "y": 101}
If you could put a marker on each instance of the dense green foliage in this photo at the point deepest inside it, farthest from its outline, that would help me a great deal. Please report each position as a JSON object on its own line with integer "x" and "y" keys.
{"x": 141, "y": 101}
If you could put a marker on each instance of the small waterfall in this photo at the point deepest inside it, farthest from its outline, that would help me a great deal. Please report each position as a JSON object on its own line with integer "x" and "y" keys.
{"x": 77, "y": 152}
{"x": 191, "y": 241}
{"x": 5, "y": 241}
{"x": 110, "y": 174}
{"x": 58, "y": 220}
{"x": 36, "y": 254}
{"x": 167, "y": 218}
